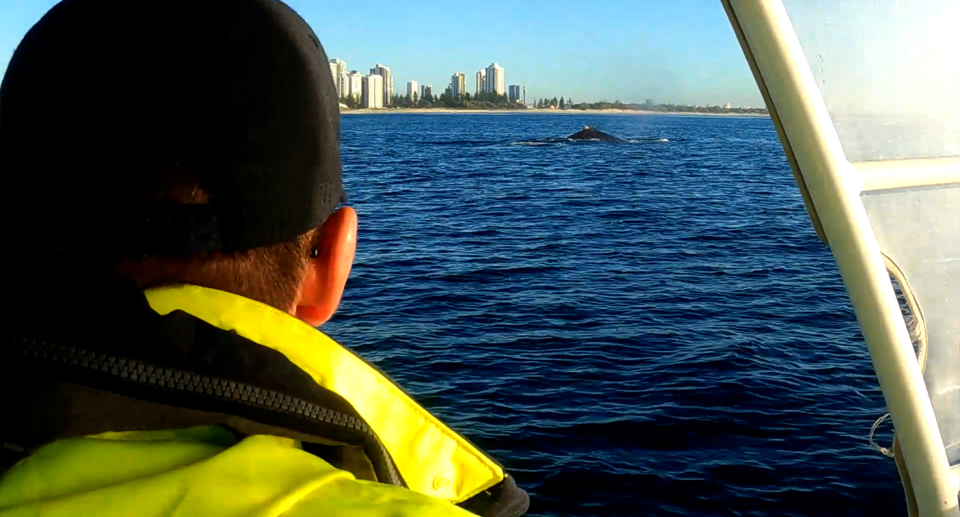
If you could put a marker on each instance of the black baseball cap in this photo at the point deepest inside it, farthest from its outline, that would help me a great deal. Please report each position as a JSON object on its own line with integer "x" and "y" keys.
{"x": 102, "y": 95}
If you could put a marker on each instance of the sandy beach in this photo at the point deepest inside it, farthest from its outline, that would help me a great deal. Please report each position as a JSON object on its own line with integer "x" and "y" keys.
{"x": 447, "y": 111}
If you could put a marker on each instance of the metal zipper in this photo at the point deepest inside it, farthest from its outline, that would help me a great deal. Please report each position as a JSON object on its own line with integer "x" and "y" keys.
{"x": 133, "y": 370}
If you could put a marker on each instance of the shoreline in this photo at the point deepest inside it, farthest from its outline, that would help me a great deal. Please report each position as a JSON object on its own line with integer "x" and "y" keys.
{"x": 449, "y": 111}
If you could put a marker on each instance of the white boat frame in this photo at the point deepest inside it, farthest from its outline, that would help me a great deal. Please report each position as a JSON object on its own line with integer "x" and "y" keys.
{"x": 831, "y": 188}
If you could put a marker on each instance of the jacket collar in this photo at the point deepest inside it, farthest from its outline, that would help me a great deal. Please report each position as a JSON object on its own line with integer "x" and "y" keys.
{"x": 432, "y": 458}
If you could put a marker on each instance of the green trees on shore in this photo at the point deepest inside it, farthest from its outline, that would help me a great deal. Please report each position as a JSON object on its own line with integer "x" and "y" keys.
{"x": 649, "y": 105}
{"x": 663, "y": 108}
{"x": 446, "y": 99}
{"x": 492, "y": 101}
{"x": 350, "y": 102}
{"x": 551, "y": 104}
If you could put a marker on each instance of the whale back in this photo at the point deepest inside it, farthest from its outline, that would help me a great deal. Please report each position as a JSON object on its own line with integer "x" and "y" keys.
{"x": 589, "y": 133}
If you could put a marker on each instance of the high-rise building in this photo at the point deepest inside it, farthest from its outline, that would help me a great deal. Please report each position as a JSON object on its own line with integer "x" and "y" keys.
{"x": 411, "y": 89}
{"x": 372, "y": 91}
{"x": 428, "y": 91}
{"x": 481, "y": 81}
{"x": 384, "y": 71}
{"x": 459, "y": 84}
{"x": 495, "y": 80}
{"x": 514, "y": 93}
{"x": 338, "y": 69}
{"x": 354, "y": 85}
{"x": 333, "y": 74}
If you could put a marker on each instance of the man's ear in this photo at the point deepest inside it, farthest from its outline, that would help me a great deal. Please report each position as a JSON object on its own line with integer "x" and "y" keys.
{"x": 327, "y": 272}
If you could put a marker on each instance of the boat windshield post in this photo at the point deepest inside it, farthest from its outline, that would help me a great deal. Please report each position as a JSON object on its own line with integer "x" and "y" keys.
{"x": 832, "y": 188}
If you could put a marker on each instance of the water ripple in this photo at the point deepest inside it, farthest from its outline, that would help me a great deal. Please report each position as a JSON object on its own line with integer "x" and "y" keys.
{"x": 648, "y": 328}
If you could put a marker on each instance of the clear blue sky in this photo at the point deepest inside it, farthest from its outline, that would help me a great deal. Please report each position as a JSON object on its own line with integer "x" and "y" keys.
{"x": 671, "y": 51}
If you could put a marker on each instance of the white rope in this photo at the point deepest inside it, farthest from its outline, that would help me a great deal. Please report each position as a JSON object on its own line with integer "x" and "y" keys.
{"x": 917, "y": 328}
{"x": 873, "y": 444}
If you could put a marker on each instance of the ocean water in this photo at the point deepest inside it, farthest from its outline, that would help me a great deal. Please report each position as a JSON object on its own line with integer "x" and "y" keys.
{"x": 647, "y": 328}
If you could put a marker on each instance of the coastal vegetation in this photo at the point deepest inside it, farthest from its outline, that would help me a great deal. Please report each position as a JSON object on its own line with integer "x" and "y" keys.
{"x": 446, "y": 100}
{"x": 481, "y": 101}
{"x": 492, "y": 101}
{"x": 665, "y": 108}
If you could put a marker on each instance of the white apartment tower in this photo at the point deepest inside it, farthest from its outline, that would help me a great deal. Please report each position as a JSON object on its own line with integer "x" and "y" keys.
{"x": 481, "y": 81}
{"x": 459, "y": 84}
{"x": 412, "y": 89}
{"x": 372, "y": 96}
{"x": 496, "y": 82}
{"x": 338, "y": 69}
{"x": 384, "y": 71}
{"x": 354, "y": 85}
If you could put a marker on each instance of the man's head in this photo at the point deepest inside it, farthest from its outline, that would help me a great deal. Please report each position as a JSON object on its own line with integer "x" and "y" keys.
{"x": 304, "y": 276}
{"x": 178, "y": 141}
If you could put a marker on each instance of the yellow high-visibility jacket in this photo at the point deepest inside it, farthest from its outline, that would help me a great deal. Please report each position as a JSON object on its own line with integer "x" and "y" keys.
{"x": 201, "y": 402}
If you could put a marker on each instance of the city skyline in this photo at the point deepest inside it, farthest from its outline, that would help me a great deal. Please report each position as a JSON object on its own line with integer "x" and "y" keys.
{"x": 492, "y": 78}
{"x": 683, "y": 52}
{"x": 489, "y": 79}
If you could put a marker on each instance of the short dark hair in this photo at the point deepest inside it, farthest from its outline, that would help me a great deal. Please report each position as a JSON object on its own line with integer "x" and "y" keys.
{"x": 272, "y": 274}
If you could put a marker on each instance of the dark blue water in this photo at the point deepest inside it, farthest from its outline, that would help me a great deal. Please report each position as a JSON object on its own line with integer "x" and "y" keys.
{"x": 649, "y": 328}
